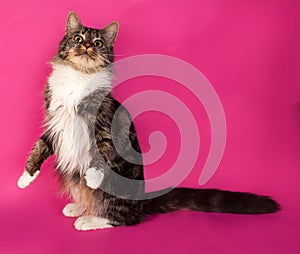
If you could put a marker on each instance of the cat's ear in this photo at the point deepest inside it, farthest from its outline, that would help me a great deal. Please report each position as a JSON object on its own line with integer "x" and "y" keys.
{"x": 110, "y": 32}
{"x": 73, "y": 23}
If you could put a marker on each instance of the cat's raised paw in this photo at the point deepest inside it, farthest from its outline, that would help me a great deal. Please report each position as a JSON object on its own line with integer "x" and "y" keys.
{"x": 93, "y": 178}
{"x": 26, "y": 179}
{"x": 91, "y": 223}
{"x": 73, "y": 210}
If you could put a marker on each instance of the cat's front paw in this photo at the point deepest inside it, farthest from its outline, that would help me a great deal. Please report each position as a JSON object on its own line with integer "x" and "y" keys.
{"x": 93, "y": 178}
{"x": 26, "y": 179}
{"x": 87, "y": 109}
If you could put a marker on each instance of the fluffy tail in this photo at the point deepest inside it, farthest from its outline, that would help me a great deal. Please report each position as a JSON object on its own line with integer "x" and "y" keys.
{"x": 210, "y": 200}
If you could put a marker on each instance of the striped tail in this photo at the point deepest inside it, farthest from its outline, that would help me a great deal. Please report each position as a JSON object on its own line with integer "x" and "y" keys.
{"x": 210, "y": 200}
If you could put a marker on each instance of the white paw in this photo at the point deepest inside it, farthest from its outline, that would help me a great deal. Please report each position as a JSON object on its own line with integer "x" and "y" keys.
{"x": 73, "y": 210}
{"x": 93, "y": 178}
{"x": 26, "y": 179}
{"x": 91, "y": 222}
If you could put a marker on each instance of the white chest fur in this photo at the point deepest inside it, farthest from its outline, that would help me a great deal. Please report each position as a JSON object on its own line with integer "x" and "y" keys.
{"x": 68, "y": 130}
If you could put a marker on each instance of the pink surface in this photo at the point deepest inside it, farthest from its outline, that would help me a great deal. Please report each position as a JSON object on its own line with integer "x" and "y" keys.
{"x": 249, "y": 50}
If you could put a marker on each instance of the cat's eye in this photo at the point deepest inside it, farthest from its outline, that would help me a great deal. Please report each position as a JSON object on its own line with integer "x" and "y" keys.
{"x": 98, "y": 43}
{"x": 78, "y": 39}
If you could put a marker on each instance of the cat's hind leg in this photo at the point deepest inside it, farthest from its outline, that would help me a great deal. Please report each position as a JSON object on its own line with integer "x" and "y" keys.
{"x": 91, "y": 223}
{"x": 77, "y": 207}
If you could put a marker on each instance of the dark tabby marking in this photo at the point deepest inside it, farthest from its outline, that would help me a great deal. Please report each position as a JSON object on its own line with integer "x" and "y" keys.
{"x": 39, "y": 153}
{"x": 121, "y": 211}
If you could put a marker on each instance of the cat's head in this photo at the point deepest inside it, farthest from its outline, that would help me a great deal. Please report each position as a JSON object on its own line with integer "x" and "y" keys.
{"x": 87, "y": 49}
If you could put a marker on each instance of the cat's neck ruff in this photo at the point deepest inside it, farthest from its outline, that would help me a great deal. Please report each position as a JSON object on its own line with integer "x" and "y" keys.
{"x": 68, "y": 86}
{"x": 65, "y": 77}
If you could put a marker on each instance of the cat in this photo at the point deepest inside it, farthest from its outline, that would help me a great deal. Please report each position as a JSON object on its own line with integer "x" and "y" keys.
{"x": 79, "y": 131}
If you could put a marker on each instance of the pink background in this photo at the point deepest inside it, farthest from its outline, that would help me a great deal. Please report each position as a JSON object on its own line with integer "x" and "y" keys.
{"x": 249, "y": 50}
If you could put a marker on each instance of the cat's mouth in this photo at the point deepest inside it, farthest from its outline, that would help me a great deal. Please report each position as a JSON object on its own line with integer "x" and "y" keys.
{"x": 86, "y": 57}
{"x": 86, "y": 54}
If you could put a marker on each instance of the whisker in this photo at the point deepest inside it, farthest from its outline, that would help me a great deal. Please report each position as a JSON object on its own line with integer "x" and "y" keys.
{"x": 116, "y": 54}
{"x": 105, "y": 60}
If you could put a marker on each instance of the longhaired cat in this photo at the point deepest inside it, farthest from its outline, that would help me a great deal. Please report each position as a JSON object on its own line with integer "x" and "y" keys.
{"x": 80, "y": 112}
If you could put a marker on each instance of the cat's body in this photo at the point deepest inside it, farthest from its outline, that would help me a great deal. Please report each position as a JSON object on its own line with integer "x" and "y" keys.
{"x": 80, "y": 111}
{"x": 71, "y": 130}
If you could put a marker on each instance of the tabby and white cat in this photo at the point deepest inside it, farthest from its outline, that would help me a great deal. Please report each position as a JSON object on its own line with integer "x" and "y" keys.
{"x": 79, "y": 131}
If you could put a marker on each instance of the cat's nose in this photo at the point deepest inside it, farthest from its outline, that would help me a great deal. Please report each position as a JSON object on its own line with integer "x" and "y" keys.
{"x": 87, "y": 44}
